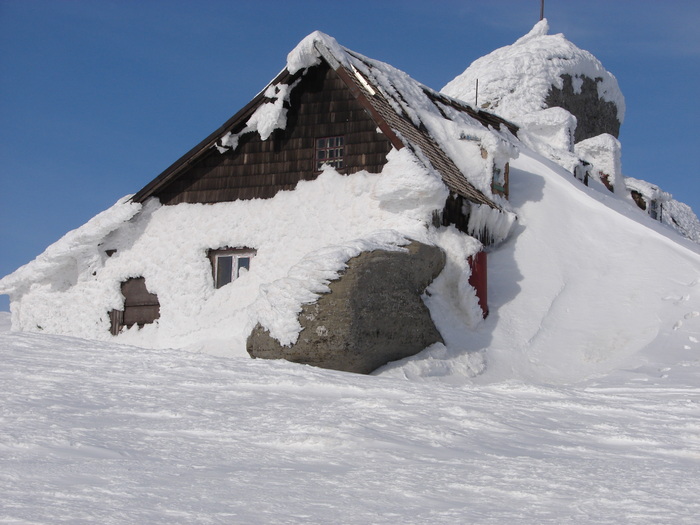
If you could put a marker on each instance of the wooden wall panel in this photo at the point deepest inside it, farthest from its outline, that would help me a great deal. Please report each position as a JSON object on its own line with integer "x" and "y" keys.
{"x": 321, "y": 106}
{"x": 140, "y": 306}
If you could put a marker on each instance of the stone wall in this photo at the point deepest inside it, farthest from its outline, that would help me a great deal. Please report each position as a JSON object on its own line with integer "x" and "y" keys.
{"x": 594, "y": 115}
{"x": 373, "y": 314}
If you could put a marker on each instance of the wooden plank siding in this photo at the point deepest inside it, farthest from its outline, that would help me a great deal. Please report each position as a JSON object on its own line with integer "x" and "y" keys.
{"x": 320, "y": 106}
{"x": 140, "y": 306}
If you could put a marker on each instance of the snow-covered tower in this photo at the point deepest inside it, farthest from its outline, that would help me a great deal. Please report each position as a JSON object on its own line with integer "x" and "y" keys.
{"x": 568, "y": 106}
{"x": 541, "y": 71}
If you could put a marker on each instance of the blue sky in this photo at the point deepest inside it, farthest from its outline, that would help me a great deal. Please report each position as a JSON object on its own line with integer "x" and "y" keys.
{"x": 99, "y": 97}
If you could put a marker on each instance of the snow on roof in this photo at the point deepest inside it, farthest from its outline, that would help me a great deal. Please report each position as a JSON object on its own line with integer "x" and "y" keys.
{"x": 676, "y": 214}
{"x": 647, "y": 189}
{"x": 515, "y": 80}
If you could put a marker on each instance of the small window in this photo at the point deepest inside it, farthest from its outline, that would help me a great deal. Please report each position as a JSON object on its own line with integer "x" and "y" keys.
{"x": 330, "y": 150}
{"x": 655, "y": 209}
{"x": 227, "y": 264}
{"x": 500, "y": 182}
{"x": 638, "y": 199}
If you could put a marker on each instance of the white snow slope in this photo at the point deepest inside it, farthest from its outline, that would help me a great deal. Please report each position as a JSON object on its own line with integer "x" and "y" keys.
{"x": 587, "y": 410}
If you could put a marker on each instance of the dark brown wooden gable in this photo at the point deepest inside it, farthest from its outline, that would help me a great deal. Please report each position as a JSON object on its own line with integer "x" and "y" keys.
{"x": 321, "y": 105}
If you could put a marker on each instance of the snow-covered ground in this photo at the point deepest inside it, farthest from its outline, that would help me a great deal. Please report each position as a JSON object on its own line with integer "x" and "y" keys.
{"x": 585, "y": 406}
{"x": 102, "y": 433}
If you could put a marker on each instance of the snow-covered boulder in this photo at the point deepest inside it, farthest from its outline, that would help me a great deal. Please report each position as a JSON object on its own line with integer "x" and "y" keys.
{"x": 373, "y": 314}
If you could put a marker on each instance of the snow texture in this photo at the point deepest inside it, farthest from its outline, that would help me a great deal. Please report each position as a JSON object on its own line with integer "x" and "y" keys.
{"x": 603, "y": 153}
{"x": 681, "y": 218}
{"x": 95, "y": 432}
{"x": 515, "y": 80}
{"x": 77, "y": 253}
{"x": 550, "y": 133}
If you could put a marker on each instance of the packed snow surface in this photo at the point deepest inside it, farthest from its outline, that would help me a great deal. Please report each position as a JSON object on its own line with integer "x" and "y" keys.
{"x": 515, "y": 80}
{"x": 94, "y": 432}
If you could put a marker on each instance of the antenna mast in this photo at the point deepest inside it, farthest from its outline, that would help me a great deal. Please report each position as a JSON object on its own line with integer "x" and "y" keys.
{"x": 541, "y": 9}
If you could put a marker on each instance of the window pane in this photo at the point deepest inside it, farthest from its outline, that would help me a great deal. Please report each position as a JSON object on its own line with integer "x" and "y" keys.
{"x": 224, "y": 265}
{"x": 243, "y": 262}
{"x": 330, "y": 150}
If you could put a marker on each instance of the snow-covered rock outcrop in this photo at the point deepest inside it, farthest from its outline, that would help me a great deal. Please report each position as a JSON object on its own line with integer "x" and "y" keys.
{"x": 540, "y": 71}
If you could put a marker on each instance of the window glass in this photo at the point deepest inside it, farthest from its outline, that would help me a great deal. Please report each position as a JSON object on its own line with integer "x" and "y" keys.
{"x": 224, "y": 267}
{"x": 243, "y": 262}
{"x": 330, "y": 151}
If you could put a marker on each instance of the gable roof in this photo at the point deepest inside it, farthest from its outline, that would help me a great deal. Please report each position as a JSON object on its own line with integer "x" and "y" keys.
{"x": 396, "y": 103}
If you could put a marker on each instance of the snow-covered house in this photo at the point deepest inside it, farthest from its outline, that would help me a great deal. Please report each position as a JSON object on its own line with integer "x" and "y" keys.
{"x": 337, "y": 156}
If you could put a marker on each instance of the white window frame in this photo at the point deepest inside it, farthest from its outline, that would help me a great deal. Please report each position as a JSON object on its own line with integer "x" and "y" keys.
{"x": 237, "y": 255}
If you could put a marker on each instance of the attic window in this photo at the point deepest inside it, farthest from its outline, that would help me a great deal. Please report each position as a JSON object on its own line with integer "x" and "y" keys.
{"x": 330, "y": 151}
{"x": 227, "y": 263}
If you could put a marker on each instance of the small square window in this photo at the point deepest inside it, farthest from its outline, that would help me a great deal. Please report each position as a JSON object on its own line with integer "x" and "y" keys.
{"x": 330, "y": 151}
{"x": 227, "y": 263}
